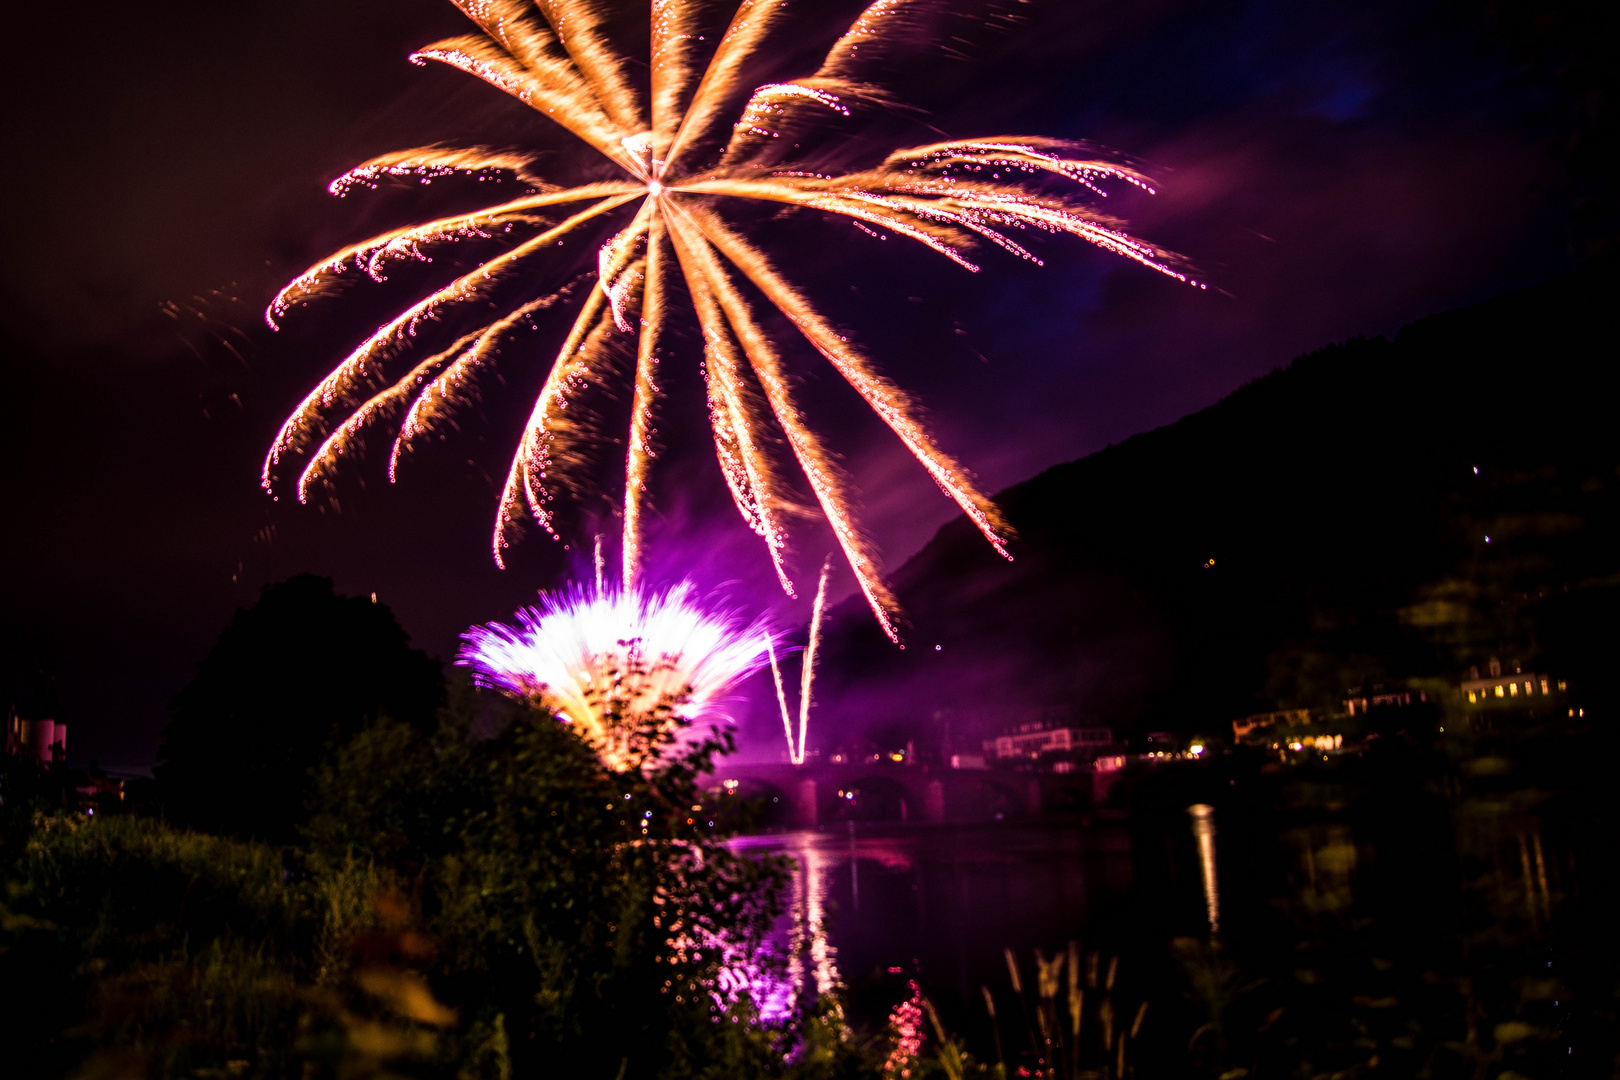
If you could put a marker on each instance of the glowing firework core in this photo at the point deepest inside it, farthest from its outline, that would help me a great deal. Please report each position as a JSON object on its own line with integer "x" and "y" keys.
{"x": 622, "y": 667}
{"x": 694, "y": 140}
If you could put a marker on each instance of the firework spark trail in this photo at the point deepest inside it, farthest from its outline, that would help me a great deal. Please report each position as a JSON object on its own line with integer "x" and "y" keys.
{"x": 601, "y": 659}
{"x": 512, "y": 24}
{"x": 578, "y": 25}
{"x": 872, "y": 30}
{"x": 781, "y": 701}
{"x": 342, "y": 440}
{"x": 614, "y": 264}
{"x": 723, "y": 77}
{"x": 692, "y": 145}
{"x": 807, "y": 674}
{"x": 549, "y": 433}
{"x": 564, "y": 104}
{"x": 566, "y": 71}
{"x": 443, "y": 392}
{"x": 745, "y": 464}
{"x": 675, "y": 30}
{"x": 776, "y": 110}
{"x": 826, "y": 479}
{"x": 348, "y": 374}
{"x": 885, "y": 398}
{"x": 641, "y": 447}
{"x": 366, "y": 253}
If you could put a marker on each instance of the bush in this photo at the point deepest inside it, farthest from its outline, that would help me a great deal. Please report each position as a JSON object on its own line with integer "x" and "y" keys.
{"x": 455, "y": 907}
{"x": 586, "y": 912}
{"x": 171, "y": 945}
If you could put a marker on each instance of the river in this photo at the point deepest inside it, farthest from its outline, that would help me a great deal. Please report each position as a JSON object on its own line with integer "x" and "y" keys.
{"x": 939, "y": 905}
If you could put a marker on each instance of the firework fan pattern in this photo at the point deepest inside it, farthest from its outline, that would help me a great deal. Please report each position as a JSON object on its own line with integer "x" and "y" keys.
{"x": 611, "y": 663}
{"x": 692, "y": 142}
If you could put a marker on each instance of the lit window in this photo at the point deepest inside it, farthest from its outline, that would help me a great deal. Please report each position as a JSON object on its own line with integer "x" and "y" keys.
{"x": 1499, "y": 692}
{"x": 1544, "y": 686}
{"x": 1513, "y": 688}
{"x": 1470, "y": 697}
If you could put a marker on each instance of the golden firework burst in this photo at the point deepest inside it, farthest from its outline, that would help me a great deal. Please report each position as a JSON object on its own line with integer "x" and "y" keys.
{"x": 696, "y": 140}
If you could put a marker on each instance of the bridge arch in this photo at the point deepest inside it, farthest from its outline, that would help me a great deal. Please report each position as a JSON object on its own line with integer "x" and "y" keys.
{"x": 868, "y": 795}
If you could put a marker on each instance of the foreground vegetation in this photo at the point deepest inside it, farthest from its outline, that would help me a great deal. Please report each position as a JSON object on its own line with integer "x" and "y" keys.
{"x": 453, "y": 907}
{"x": 493, "y": 907}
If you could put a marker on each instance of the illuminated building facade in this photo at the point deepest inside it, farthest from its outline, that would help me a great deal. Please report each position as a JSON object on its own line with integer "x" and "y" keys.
{"x": 1362, "y": 701}
{"x": 1498, "y": 688}
{"x": 45, "y": 741}
{"x": 1034, "y": 740}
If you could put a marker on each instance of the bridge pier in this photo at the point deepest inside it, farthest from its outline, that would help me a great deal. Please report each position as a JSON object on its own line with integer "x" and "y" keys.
{"x": 805, "y": 814}
{"x": 1032, "y": 797}
{"x": 934, "y": 802}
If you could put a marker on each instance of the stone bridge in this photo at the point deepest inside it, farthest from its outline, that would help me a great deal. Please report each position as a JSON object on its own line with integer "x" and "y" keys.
{"x": 805, "y": 796}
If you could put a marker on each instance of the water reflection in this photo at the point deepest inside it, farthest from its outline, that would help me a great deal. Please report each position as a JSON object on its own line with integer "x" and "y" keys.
{"x": 1365, "y": 915}
{"x": 869, "y": 910}
{"x": 1203, "y": 823}
{"x": 809, "y": 920}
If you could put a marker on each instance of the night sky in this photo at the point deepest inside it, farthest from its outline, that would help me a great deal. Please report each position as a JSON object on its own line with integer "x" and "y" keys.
{"x": 1332, "y": 169}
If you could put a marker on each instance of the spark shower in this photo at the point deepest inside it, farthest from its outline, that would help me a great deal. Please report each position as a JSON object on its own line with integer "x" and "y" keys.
{"x": 605, "y": 660}
{"x": 690, "y": 145}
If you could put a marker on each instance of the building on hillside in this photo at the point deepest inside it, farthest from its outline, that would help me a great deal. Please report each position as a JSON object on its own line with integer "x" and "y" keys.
{"x": 1261, "y": 721}
{"x": 1497, "y": 688}
{"x": 1363, "y": 699}
{"x": 1034, "y": 739}
{"x": 42, "y": 740}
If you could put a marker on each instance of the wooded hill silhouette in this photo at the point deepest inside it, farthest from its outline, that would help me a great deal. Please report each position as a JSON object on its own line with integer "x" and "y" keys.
{"x": 1377, "y": 511}
{"x": 297, "y": 673}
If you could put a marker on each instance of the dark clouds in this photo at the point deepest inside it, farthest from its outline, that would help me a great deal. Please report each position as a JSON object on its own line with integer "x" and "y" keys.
{"x": 1332, "y": 169}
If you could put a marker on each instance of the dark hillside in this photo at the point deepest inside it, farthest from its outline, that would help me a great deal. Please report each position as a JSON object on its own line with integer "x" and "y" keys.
{"x": 1321, "y": 527}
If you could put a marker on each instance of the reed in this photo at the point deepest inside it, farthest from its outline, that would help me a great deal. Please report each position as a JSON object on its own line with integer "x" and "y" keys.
{"x": 1071, "y": 1034}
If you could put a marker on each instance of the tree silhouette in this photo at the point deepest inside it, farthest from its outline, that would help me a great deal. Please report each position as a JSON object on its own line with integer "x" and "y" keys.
{"x": 299, "y": 671}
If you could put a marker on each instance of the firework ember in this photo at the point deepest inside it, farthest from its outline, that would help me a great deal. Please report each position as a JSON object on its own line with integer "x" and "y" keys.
{"x": 692, "y": 145}
{"x": 612, "y": 662}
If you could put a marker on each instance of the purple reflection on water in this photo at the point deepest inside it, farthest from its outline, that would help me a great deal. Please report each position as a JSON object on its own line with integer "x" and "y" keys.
{"x": 868, "y": 911}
